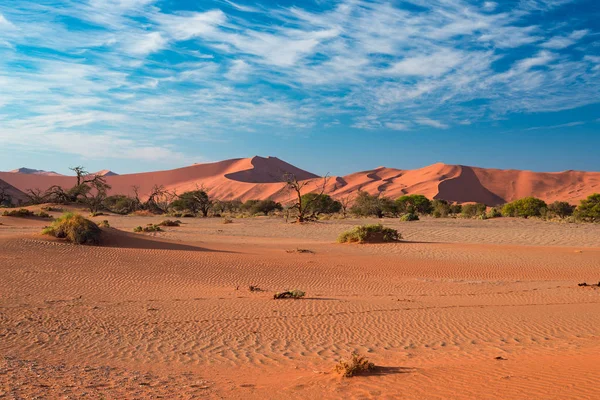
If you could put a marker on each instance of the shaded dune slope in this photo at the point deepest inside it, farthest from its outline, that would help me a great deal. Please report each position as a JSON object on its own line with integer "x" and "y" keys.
{"x": 261, "y": 178}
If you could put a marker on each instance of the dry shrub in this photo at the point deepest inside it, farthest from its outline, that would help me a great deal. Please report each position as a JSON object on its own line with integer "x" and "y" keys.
{"x": 104, "y": 224}
{"x": 370, "y": 234}
{"x": 356, "y": 365}
{"x": 148, "y": 228}
{"x": 168, "y": 222}
{"x": 227, "y": 221}
{"x": 143, "y": 213}
{"x": 75, "y": 229}
{"x": 290, "y": 294}
{"x": 21, "y": 213}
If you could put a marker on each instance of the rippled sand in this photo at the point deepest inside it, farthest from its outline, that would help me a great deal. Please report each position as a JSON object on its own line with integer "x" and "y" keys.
{"x": 171, "y": 315}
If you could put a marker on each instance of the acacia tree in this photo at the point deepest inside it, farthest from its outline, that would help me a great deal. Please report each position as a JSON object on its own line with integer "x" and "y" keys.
{"x": 5, "y": 197}
{"x": 297, "y": 186}
{"x": 94, "y": 198}
{"x": 36, "y": 196}
{"x": 159, "y": 199}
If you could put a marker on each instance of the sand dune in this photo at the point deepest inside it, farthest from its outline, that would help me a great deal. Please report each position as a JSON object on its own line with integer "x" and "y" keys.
{"x": 260, "y": 178}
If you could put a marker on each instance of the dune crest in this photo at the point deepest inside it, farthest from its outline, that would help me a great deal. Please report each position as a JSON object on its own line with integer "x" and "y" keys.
{"x": 261, "y": 178}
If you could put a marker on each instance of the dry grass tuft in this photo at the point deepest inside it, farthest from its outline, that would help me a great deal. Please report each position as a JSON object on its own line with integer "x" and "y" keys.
{"x": 370, "y": 234}
{"x": 290, "y": 294}
{"x": 356, "y": 365}
{"x": 75, "y": 229}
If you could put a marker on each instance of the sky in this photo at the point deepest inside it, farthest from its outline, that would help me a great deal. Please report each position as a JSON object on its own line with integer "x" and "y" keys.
{"x": 329, "y": 86}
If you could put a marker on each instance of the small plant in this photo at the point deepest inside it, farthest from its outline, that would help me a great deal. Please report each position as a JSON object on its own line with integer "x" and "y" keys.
{"x": 96, "y": 214}
{"x": 75, "y": 229}
{"x": 409, "y": 217}
{"x": 20, "y": 213}
{"x": 168, "y": 222}
{"x": 356, "y": 365}
{"x": 227, "y": 221}
{"x": 143, "y": 213}
{"x": 300, "y": 251}
{"x": 493, "y": 213}
{"x": 370, "y": 234}
{"x": 52, "y": 209}
{"x": 43, "y": 214}
{"x": 290, "y": 294}
{"x": 148, "y": 228}
{"x": 104, "y": 224}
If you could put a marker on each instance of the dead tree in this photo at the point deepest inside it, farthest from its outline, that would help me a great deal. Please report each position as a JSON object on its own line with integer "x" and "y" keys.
{"x": 160, "y": 199}
{"x": 5, "y": 197}
{"x": 36, "y": 196}
{"x": 95, "y": 197}
{"x": 345, "y": 202}
{"x": 297, "y": 186}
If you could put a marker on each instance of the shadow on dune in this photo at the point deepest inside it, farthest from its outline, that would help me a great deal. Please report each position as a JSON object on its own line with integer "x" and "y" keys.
{"x": 112, "y": 237}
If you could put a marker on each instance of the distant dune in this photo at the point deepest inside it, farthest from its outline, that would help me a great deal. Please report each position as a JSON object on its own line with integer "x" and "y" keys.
{"x": 32, "y": 171}
{"x": 261, "y": 178}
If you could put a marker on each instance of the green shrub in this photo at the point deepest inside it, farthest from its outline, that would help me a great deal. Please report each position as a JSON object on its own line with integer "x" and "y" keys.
{"x": 366, "y": 205}
{"x": 493, "y": 213}
{"x": 264, "y": 207}
{"x": 455, "y": 209}
{"x": 104, "y": 224}
{"x": 75, "y": 229}
{"x": 473, "y": 210}
{"x": 20, "y": 213}
{"x": 148, "y": 228}
{"x": 589, "y": 209}
{"x": 561, "y": 209}
{"x": 43, "y": 214}
{"x": 414, "y": 204}
{"x": 315, "y": 204}
{"x": 370, "y": 234}
{"x": 409, "y": 217}
{"x": 121, "y": 204}
{"x": 525, "y": 208}
{"x": 440, "y": 208}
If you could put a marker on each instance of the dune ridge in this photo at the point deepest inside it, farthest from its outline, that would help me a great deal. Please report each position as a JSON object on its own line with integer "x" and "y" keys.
{"x": 261, "y": 178}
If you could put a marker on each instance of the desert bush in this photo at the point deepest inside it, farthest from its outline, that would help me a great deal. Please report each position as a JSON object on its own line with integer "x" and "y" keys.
{"x": 264, "y": 207}
{"x": 168, "y": 222}
{"x": 473, "y": 210}
{"x": 561, "y": 209}
{"x": 75, "y": 229}
{"x": 493, "y": 213}
{"x": 104, "y": 224}
{"x": 455, "y": 209}
{"x": 290, "y": 294}
{"x": 356, "y": 365}
{"x": 414, "y": 204}
{"x": 227, "y": 221}
{"x": 589, "y": 209}
{"x": 196, "y": 201}
{"x": 148, "y": 228}
{"x": 316, "y": 204}
{"x": 143, "y": 213}
{"x": 409, "y": 217}
{"x": 366, "y": 205}
{"x": 21, "y": 213}
{"x": 525, "y": 207}
{"x": 121, "y": 204}
{"x": 370, "y": 234}
{"x": 440, "y": 208}
{"x": 52, "y": 209}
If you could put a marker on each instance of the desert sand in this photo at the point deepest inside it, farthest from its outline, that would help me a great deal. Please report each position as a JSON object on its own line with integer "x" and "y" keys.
{"x": 261, "y": 178}
{"x": 461, "y": 309}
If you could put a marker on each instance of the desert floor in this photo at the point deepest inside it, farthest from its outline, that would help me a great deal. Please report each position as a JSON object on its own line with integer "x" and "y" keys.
{"x": 462, "y": 309}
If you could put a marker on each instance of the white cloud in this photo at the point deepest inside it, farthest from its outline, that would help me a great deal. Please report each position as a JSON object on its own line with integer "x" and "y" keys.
{"x": 427, "y": 65}
{"x": 561, "y": 42}
{"x": 431, "y": 122}
{"x": 541, "y": 59}
{"x": 397, "y": 126}
{"x": 490, "y": 5}
{"x": 146, "y": 44}
{"x": 238, "y": 71}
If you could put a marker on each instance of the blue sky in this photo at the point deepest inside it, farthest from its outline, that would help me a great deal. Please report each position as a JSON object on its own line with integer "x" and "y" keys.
{"x": 330, "y": 86}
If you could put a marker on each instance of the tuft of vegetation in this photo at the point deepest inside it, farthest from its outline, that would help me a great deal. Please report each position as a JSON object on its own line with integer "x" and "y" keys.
{"x": 370, "y": 234}
{"x": 289, "y": 294}
{"x": 366, "y": 205}
{"x": 195, "y": 201}
{"x": 589, "y": 209}
{"x": 52, "y": 209}
{"x": 264, "y": 207}
{"x": 409, "y": 217}
{"x": 414, "y": 204}
{"x": 104, "y": 224}
{"x": 525, "y": 208}
{"x": 168, "y": 222}
{"x": 560, "y": 209}
{"x": 316, "y": 204}
{"x": 75, "y": 229}
{"x": 148, "y": 228}
{"x": 476, "y": 210}
{"x": 356, "y": 365}
{"x": 20, "y": 213}
{"x": 493, "y": 213}
{"x": 227, "y": 221}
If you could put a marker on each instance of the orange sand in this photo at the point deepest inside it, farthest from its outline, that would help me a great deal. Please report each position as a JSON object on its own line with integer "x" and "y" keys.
{"x": 260, "y": 178}
{"x": 170, "y": 314}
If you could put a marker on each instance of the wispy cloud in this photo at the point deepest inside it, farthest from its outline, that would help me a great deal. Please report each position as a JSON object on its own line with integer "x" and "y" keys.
{"x": 567, "y": 125}
{"x": 148, "y": 70}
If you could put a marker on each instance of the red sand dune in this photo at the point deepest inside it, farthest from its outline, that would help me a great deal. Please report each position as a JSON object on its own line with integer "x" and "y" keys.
{"x": 260, "y": 178}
